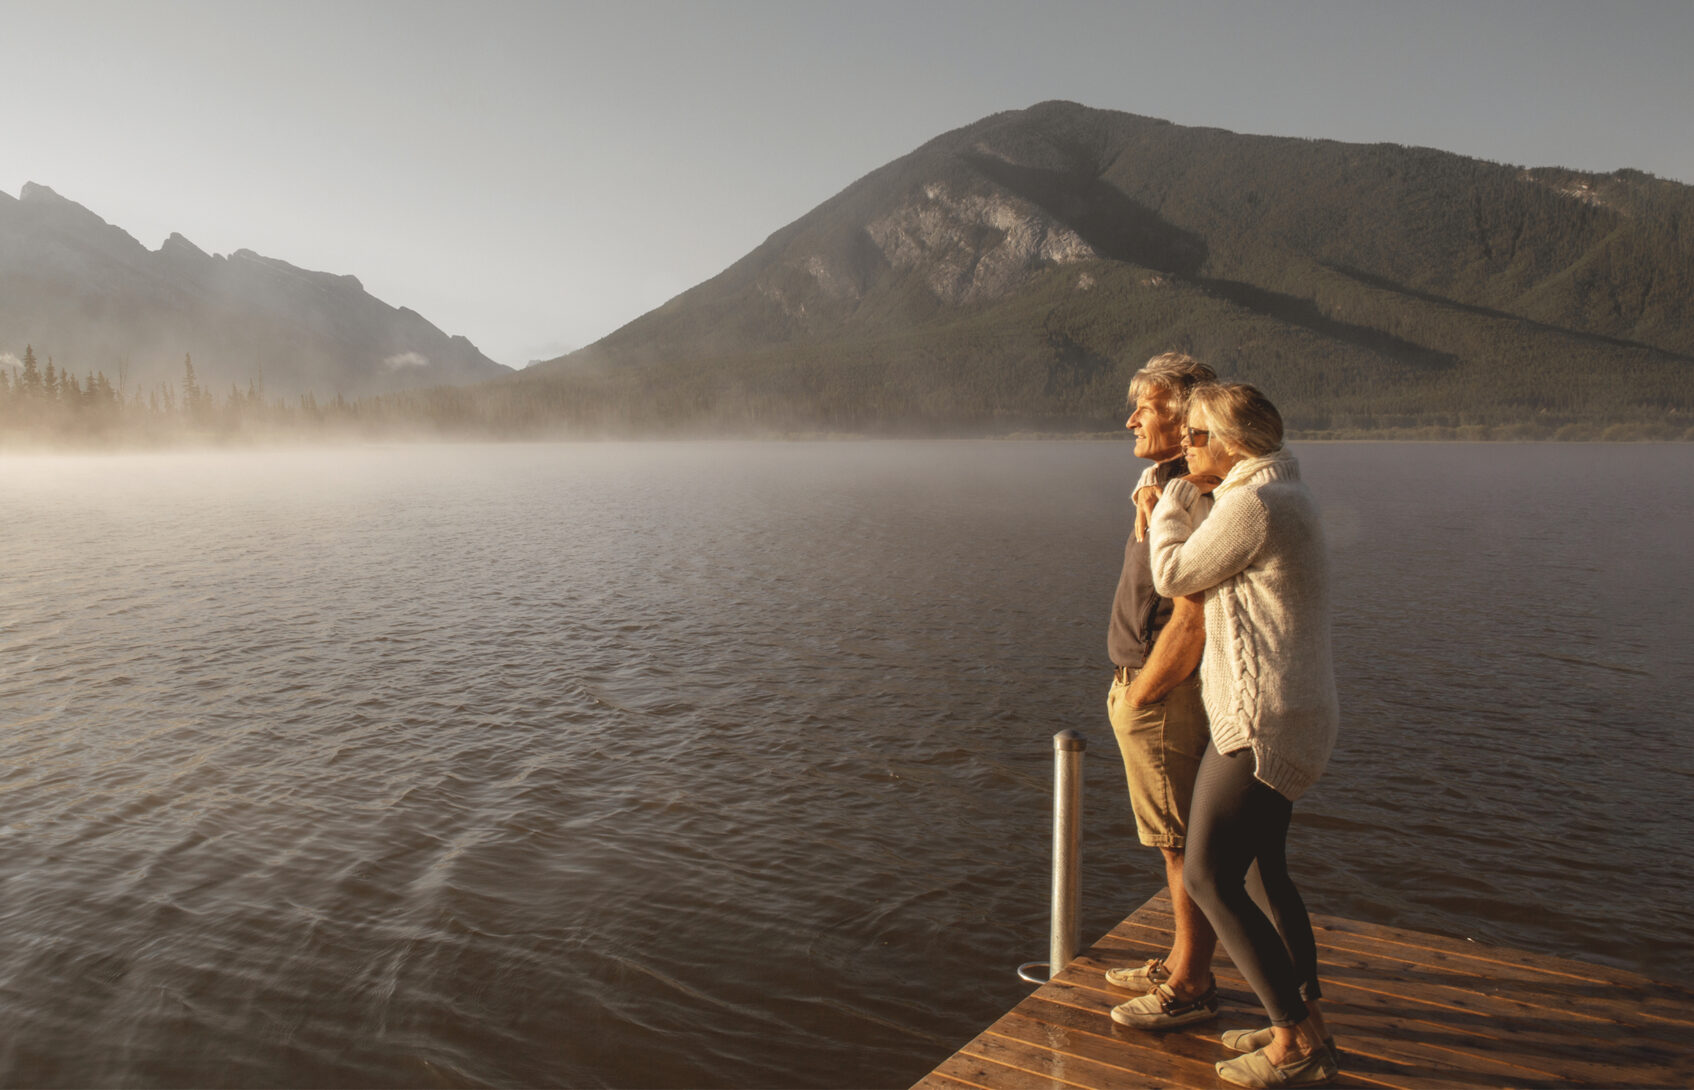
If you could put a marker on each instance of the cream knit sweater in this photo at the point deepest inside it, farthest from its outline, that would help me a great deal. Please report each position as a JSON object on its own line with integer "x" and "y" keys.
{"x": 1267, "y": 678}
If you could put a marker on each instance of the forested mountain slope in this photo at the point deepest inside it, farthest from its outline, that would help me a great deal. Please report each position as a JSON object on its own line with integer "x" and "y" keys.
{"x": 1013, "y": 274}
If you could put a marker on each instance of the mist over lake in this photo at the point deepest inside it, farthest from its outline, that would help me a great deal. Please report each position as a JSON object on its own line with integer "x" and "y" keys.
{"x": 728, "y": 764}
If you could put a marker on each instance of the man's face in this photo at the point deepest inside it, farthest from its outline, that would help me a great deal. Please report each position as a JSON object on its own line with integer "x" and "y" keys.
{"x": 1158, "y": 434}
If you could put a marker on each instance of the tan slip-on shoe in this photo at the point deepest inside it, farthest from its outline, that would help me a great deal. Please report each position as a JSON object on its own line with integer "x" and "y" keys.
{"x": 1251, "y": 1040}
{"x": 1253, "y": 1069}
{"x": 1139, "y": 978}
{"x": 1160, "y": 1009}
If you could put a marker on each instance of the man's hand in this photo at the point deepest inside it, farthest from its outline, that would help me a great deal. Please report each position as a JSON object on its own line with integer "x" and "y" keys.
{"x": 1145, "y": 500}
{"x": 1175, "y": 655}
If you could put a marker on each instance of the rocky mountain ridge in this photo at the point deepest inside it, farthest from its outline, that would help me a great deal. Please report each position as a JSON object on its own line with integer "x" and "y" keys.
{"x": 87, "y": 293}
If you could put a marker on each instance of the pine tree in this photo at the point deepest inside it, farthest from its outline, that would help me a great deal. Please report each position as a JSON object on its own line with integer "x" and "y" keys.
{"x": 190, "y": 388}
{"x": 31, "y": 377}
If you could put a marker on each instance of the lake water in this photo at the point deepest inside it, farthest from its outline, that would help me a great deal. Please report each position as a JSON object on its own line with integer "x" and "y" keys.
{"x": 728, "y": 765}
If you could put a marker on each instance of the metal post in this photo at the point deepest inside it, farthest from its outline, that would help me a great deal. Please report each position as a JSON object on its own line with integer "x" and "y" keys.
{"x": 1068, "y": 749}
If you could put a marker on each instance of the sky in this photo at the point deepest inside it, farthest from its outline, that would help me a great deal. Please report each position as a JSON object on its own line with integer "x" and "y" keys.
{"x": 533, "y": 175}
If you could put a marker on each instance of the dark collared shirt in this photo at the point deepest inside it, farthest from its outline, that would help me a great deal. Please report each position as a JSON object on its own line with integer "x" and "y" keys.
{"x": 1138, "y": 614}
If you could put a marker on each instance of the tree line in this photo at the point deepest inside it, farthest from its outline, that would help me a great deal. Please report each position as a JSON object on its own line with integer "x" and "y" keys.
{"x": 43, "y": 402}
{"x": 1064, "y": 383}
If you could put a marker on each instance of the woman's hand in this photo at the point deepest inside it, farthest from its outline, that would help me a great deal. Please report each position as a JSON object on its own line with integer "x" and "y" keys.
{"x": 1205, "y": 482}
{"x": 1148, "y": 498}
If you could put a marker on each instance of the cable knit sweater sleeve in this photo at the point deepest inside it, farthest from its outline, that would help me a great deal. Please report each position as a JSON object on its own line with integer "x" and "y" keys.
{"x": 1188, "y": 559}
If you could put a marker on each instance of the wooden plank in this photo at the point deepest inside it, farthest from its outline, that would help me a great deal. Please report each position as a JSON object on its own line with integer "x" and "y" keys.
{"x": 939, "y": 1080}
{"x": 1426, "y": 948}
{"x": 1455, "y": 975}
{"x": 1175, "y": 1052}
{"x": 1540, "y": 1058}
{"x": 1555, "y": 982}
{"x": 1075, "y": 1070}
{"x": 1100, "y": 1046}
{"x": 1184, "y": 1058}
{"x": 970, "y": 1067}
{"x": 1396, "y": 1050}
{"x": 1441, "y": 1025}
{"x": 1091, "y": 1000}
{"x": 1409, "y": 1009}
{"x": 1465, "y": 949}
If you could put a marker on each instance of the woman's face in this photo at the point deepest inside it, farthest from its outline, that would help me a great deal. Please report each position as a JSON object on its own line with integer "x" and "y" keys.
{"x": 1206, "y": 454}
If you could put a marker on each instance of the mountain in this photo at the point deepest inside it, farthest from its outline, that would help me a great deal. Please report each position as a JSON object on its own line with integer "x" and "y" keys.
{"x": 1014, "y": 273}
{"x": 85, "y": 292}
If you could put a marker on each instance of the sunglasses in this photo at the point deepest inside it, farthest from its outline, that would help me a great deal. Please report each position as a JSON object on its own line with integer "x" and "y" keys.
{"x": 1196, "y": 437}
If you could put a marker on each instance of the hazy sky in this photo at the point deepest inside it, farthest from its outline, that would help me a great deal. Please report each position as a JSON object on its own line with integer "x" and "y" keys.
{"x": 533, "y": 175}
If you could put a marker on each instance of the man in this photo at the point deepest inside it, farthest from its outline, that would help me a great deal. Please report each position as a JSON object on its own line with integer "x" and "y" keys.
{"x": 1155, "y": 709}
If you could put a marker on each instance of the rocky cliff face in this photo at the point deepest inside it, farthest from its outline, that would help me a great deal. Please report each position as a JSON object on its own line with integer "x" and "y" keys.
{"x": 965, "y": 247}
{"x": 973, "y": 247}
{"x": 91, "y": 296}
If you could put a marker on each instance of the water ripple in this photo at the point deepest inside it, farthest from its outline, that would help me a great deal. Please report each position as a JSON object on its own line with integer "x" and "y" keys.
{"x": 727, "y": 765}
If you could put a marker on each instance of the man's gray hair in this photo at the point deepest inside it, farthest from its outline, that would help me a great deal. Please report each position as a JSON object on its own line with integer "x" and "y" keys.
{"x": 1169, "y": 377}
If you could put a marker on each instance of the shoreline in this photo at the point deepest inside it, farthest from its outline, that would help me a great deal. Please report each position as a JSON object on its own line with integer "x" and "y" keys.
{"x": 20, "y": 445}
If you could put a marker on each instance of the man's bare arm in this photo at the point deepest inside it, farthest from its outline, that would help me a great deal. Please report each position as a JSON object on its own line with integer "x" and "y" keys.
{"x": 1175, "y": 653}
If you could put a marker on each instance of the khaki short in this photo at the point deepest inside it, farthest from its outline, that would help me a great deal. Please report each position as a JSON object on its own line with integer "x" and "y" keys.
{"x": 1161, "y": 746}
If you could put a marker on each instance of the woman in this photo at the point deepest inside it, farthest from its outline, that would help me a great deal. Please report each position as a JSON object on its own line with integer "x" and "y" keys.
{"x": 1269, "y": 690}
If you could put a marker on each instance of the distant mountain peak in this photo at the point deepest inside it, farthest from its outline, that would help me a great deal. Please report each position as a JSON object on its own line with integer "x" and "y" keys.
{"x": 35, "y": 191}
{"x": 49, "y": 210}
{"x": 51, "y": 202}
{"x": 48, "y": 201}
{"x": 177, "y": 244}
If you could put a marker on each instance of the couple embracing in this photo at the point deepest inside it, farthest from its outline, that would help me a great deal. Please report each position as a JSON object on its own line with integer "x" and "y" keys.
{"x": 1223, "y": 704}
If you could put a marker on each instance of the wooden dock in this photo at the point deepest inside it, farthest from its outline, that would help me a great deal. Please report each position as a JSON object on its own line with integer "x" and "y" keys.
{"x": 1407, "y": 1010}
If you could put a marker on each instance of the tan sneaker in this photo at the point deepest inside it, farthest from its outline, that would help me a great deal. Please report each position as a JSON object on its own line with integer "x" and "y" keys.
{"x": 1139, "y": 978}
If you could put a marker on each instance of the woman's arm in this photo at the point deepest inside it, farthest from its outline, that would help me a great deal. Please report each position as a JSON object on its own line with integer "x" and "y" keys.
{"x": 1147, "y": 495}
{"x": 1186, "y": 559}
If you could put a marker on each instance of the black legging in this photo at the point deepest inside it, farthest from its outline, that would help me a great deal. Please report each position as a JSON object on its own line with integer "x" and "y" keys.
{"x": 1235, "y": 821}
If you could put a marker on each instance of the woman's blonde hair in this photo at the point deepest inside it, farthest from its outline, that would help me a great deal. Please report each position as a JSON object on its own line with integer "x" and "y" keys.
{"x": 1239, "y": 415}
